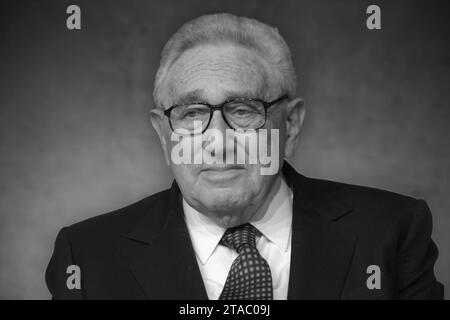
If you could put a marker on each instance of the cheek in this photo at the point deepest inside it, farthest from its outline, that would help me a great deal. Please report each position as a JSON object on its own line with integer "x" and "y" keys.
{"x": 186, "y": 174}
{"x": 276, "y": 122}
{"x": 165, "y": 136}
{"x": 186, "y": 177}
{"x": 258, "y": 186}
{"x": 282, "y": 139}
{"x": 255, "y": 179}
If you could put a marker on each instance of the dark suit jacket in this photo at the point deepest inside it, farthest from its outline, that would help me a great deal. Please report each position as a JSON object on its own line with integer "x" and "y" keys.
{"x": 144, "y": 250}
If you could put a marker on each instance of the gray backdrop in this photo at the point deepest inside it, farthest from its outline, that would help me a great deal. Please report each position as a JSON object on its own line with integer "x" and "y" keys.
{"x": 75, "y": 136}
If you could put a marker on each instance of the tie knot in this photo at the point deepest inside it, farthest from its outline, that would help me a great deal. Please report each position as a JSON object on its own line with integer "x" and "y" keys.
{"x": 236, "y": 237}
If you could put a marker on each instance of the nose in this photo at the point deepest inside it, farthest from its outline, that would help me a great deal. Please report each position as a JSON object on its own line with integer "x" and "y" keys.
{"x": 215, "y": 148}
{"x": 218, "y": 122}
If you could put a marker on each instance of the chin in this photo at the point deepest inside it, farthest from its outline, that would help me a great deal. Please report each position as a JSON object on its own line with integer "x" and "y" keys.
{"x": 230, "y": 221}
{"x": 224, "y": 201}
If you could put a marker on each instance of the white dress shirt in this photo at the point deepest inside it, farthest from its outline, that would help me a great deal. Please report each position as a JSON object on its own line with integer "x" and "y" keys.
{"x": 274, "y": 245}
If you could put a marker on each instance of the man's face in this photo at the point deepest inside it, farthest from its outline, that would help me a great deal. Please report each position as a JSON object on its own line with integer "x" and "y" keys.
{"x": 228, "y": 193}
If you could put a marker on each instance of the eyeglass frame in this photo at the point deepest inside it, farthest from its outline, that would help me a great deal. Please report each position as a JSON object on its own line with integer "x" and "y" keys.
{"x": 214, "y": 107}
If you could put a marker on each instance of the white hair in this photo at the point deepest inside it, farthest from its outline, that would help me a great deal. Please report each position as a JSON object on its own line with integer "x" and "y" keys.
{"x": 218, "y": 28}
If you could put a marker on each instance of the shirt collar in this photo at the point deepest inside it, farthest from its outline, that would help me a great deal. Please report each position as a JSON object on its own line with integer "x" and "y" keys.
{"x": 275, "y": 225}
{"x": 204, "y": 232}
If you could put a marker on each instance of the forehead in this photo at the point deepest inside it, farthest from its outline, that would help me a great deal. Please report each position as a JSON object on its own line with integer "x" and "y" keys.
{"x": 217, "y": 72}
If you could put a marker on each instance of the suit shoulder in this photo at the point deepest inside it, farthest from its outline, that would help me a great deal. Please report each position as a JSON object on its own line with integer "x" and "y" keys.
{"x": 367, "y": 200}
{"x": 118, "y": 221}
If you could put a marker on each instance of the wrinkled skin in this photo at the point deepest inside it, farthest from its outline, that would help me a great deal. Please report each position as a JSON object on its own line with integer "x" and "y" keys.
{"x": 228, "y": 194}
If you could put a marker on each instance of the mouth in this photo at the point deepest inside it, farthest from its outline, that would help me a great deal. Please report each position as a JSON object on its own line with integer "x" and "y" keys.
{"x": 222, "y": 174}
{"x": 222, "y": 167}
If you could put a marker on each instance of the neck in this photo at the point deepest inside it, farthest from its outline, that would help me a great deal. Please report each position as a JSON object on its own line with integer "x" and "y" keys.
{"x": 251, "y": 213}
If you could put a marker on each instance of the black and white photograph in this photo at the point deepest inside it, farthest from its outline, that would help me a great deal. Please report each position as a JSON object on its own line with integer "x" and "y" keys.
{"x": 224, "y": 150}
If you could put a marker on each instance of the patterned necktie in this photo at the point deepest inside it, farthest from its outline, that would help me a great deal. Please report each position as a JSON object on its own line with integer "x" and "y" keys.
{"x": 249, "y": 276}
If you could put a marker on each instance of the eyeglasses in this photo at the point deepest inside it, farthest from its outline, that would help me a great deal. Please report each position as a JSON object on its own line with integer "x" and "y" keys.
{"x": 240, "y": 113}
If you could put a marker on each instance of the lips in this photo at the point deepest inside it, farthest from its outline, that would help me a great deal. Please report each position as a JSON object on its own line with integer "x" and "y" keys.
{"x": 222, "y": 175}
{"x": 222, "y": 167}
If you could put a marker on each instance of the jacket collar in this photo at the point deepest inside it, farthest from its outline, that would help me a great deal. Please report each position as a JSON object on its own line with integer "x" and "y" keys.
{"x": 160, "y": 253}
{"x": 320, "y": 258}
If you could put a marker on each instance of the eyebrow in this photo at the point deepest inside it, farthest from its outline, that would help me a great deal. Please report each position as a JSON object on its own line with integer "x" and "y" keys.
{"x": 191, "y": 96}
{"x": 198, "y": 95}
{"x": 243, "y": 94}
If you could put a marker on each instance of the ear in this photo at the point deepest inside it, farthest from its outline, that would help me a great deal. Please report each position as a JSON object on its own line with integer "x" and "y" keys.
{"x": 157, "y": 118}
{"x": 295, "y": 114}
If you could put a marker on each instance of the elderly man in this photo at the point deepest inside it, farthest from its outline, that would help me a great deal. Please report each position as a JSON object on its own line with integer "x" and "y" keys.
{"x": 238, "y": 223}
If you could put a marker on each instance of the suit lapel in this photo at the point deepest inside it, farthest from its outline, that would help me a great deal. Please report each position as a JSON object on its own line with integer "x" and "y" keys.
{"x": 162, "y": 260}
{"x": 321, "y": 253}
{"x": 160, "y": 253}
